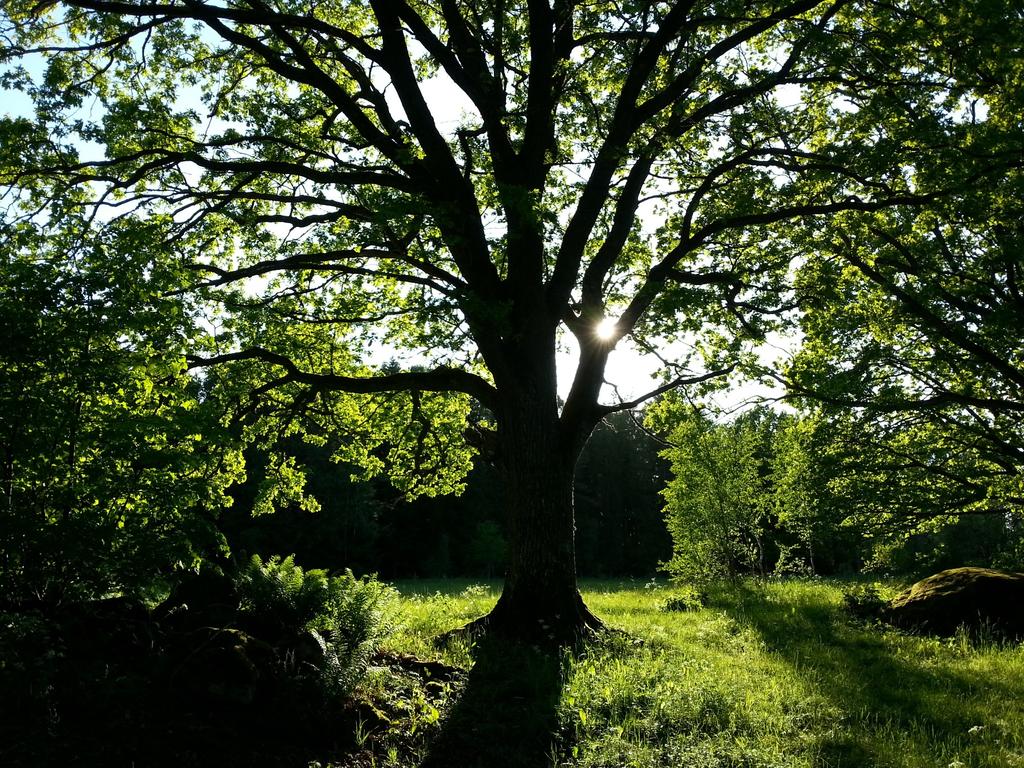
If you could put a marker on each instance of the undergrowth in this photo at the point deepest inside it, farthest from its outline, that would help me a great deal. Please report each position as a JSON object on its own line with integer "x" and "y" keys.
{"x": 348, "y": 617}
{"x": 787, "y": 674}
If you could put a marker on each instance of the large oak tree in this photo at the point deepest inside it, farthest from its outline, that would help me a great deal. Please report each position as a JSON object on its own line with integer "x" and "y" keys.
{"x": 469, "y": 184}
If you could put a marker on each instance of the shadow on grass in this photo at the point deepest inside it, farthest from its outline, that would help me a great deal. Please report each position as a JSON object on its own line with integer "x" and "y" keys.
{"x": 506, "y": 716}
{"x": 864, "y": 674}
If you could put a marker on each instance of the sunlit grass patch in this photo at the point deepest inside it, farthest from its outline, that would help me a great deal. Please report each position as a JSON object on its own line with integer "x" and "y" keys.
{"x": 680, "y": 697}
{"x": 777, "y": 674}
{"x": 432, "y": 607}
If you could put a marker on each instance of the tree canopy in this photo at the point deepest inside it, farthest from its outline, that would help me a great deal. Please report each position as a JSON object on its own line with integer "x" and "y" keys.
{"x": 111, "y": 465}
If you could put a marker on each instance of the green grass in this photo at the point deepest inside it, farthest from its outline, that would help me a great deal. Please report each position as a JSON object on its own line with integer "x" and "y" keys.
{"x": 763, "y": 675}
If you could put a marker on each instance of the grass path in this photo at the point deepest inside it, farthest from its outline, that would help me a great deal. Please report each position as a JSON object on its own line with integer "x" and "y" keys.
{"x": 773, "y": 675}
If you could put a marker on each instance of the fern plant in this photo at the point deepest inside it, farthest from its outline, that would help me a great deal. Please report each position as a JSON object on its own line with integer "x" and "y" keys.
{"x": 364, "y": 614}
{"x": 347, "y": 616}
{"x": 281, "y": 594}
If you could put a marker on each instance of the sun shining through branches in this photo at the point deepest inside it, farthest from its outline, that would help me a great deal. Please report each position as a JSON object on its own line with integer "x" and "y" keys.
{"x": 606, "y": 329}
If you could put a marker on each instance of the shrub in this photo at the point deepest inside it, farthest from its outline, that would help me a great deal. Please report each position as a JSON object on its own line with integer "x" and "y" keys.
{"x": 864, "y": 601}
{"x": 364, "y": 614}
{"x": 685, "y": 600}
{"x": 282, "y": 595}
{"x": 347, "y": 616}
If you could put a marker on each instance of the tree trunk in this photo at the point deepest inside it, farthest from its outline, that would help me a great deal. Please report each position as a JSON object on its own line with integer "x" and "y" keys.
{"x": 540, "y": 602}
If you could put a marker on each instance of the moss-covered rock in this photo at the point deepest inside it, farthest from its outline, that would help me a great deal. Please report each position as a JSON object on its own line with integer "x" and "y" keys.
{"x": 974, "y": 598}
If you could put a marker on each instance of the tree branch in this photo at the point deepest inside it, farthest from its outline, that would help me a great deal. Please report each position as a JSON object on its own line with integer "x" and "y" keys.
{"x": 436, "y": 380}
{"x": 682, "y": 381}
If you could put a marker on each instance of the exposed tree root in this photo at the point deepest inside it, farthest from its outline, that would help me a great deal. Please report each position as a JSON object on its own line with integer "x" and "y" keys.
{"x": 534, "y": 623}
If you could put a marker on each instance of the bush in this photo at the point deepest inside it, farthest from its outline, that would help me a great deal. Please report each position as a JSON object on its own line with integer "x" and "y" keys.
{"x": 864, "y": 601}
{"x": 685, "y": 600}
{"x": 283, "y": 596}
{"x": 364, "y": 614}
{"x": 347, "y": 616}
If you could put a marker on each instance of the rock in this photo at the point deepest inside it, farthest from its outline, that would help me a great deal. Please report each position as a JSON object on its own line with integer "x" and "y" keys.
{"x": 428, "y": 670}
{"x": 222, "y": 663}
{"x": 969, "y": 597}
{"x": 207, "y": 598}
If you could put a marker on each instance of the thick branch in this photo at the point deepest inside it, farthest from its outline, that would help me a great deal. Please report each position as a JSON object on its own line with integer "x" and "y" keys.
{"x": 205, "y": 13}
{"x": 436, "y": 380}
{"x": 622, "y": 225}
{"x": 467, "y": 67}
{"x": 327, "y": 262}
{"x": 623, "y": 126}
{"x": 459, "y": 216}
{"x": 660, "y": 273}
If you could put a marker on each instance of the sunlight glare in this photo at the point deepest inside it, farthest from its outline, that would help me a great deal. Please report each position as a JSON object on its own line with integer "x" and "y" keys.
{"x": 606, "y": 328}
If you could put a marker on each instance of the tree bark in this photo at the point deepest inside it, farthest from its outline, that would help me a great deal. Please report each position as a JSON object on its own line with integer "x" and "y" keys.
{"x": 540, "y": 602}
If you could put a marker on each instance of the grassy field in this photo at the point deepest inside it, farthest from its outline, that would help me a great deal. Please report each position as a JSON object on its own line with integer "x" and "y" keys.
{"x": 763, "y": 675}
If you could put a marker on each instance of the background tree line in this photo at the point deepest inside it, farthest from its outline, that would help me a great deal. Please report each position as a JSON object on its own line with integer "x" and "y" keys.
{"x": 774, "y": 493}
{"x": 371, "y": 527}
